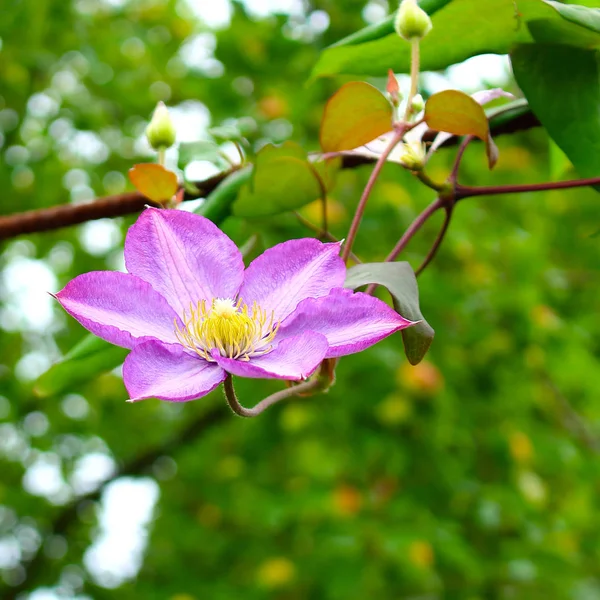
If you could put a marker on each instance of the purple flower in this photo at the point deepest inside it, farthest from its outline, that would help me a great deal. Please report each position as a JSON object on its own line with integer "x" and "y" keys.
{"x": 191, "y": 314}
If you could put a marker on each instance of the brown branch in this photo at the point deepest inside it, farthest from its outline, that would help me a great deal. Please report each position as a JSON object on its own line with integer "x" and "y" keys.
{"x": 56, "y": 217}
{"x": 47, "y": 219}
{"x": 65, "y": 215}
{"x": 68, "y": 516}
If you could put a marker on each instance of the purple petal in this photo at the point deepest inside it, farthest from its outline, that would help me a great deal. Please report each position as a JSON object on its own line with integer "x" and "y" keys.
{"x": 350, "y": 321}
{"x": 167, "y": 372}
{"x": 119, "y": 308}
{"x": 184, "y": 257}
{"x": 280, "y": 278}
{"x": 294, "y": 358}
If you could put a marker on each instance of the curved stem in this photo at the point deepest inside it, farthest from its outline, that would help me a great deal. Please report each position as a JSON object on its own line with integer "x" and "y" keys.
{"x": 466, "y": 191}
{"x": 362, "y": 204}
{"x": 242, "y": 411}
{"x": 438, "y": 240}
{"x": 426, "y": 180}
{"x": 459, "y": 155}
{"x": 409, "y": 233}
{"x": 413, "y": 228}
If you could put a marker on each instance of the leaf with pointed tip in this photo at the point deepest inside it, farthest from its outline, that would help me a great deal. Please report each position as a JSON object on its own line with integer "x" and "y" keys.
{"x": 201, "y": 150}
{"x": 385, "y": 27}
{"x": 453, "y": 39}
{"x": 400, "y": 281}
{"x": 355, "y": 115}
{"x": 154, "y": 181}
{"x": 282, "y": 180}
{"x": 89, "y": 358}
{"x": 580, "y": 15}
{"x": 218, "y": 204}
{"x": 571, "y": 117}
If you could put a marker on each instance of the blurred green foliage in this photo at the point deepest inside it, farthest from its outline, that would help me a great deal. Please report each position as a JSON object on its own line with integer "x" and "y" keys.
{"x": 472, "y": 475}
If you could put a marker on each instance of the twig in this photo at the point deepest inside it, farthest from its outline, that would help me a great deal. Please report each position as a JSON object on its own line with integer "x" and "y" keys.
{"x": 413, "y": 228}
{"x": 409, "y": 233}
{"x": 362, "y": 204}
{"x": 56, "y": 217}
{"x": 459, "y": 155}
{"x": 466, "y": 191}
{"x": 302, "y": 388}
{"x": 438, "y": 241}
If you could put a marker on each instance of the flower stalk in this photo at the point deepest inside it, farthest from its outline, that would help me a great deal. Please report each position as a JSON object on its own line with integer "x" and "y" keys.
{"x": 362, "y": 204}
{"x": 414, "y": 76}
{"x": 306, "y": 387}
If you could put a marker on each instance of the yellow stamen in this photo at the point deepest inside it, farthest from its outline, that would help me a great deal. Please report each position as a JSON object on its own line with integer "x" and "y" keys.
{"x": 231, "y": 328}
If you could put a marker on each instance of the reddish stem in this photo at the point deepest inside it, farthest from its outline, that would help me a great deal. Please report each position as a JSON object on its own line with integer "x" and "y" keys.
{"x": 459, "y": 155}
{"x": 466, "y": 191}
{"x": 362, "y": 204}
{"x": 438, "y": 241}
{"x": 413, "y": 228}
{"x": 409, "y": 233}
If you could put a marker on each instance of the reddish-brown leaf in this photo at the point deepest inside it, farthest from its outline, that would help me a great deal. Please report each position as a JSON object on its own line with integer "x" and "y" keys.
{"x": 154, "y": 181}
{"x": 355, "y": 115}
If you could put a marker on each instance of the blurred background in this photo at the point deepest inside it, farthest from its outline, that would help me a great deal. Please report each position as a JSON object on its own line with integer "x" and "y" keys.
{"x": 473, "y": 475}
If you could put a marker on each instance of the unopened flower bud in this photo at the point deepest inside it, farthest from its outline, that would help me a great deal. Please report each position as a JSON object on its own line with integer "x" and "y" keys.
{"x": 417, "y": 104}
{"x": 413, "y": 155}
{"x": 412, "y": 22}
{"x": 393, "y": 89}
{"x": 160, "y": 131}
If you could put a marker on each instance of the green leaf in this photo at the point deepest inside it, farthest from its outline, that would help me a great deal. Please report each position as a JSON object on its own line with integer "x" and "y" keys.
{"x": 217, "y": 206}
{"x": 282, "y": 180}
{"x": 91, "y": 357}
{"x": 400, "y": 280}
{"x": 385, "y": 27}
{"x": 154, "y": 181}
{"x": 557, "y": 31}
{"x": 235, "y": 131}
{"x": 562, "y": 86}
{"x": 548, "y": 25}
{"x": 355, "y": 115}
{"x": 580, "y": 15}
{"x": 203, "y": 150}
{"x": 454, "y": 38}
{"x": 226, "y": 133}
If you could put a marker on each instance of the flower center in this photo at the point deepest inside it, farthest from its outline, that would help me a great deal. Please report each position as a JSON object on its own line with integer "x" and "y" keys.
{"x": 231, "y": 328}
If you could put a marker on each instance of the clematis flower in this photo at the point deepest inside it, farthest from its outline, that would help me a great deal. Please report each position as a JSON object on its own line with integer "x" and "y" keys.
{"x": 191, "y": 313}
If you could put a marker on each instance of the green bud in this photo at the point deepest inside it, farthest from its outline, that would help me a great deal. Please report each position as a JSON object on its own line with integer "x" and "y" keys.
{"x": 412, "y": 22}
{"x": 413, "y": 155}
{"x": 160, "y": 131}
{"x": 417, "y": 104}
